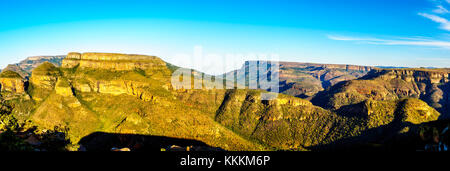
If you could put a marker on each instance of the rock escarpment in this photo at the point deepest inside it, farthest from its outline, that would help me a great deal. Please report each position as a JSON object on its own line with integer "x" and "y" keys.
{"x": 25, "y": 67}
{"x": 429, "y": 85}
{"x": 306, "y": 79}
{"x": 12, "y": 82}
{"x": 116, "y": 87}
{"x": 290, "y": 123}
{"x": 96, "y": 70}
{"x": 131, "y": 94}
{"x": 111, "y": 61}
{"x": 121, "y": 93}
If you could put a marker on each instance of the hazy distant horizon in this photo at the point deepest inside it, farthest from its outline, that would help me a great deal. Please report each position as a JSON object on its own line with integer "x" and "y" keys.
{"x": 367, "y": 33}
{"x": 240, "y": 66}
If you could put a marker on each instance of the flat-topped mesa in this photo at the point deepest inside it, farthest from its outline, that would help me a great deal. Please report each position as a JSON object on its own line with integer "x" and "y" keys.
{"x": 433, "y": 76}
{"x": 329, "y": 66}
{"x": 112, "y": 61}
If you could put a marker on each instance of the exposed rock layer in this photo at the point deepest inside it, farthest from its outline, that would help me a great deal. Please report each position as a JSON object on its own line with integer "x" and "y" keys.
{"x": 111, "y": 61}
{"x": 429, "y": 85}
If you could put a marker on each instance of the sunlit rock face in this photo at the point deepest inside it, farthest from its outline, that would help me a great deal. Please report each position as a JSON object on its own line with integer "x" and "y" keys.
{"x": 429, "y": 85}
{"x": 112, "y": 61}
{"x": 45, "y": 76}
{"x": 12, "y": 82}
{"x": 306, "y": 79}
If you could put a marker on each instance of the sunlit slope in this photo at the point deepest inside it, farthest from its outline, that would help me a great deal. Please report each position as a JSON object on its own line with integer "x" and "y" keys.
{"x": 133, "y": 94}
{"x": 429, "y": 85}
{"x": 290, "y": 123}
{"x": 138, "y": 101}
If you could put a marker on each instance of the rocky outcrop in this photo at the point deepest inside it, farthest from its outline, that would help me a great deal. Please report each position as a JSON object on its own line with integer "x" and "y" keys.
{"x": 116, "y": 87}
{"x": 49, "y": 77}
{"x": 429, "y": 85}
{"x": 289, "y": 123}
{"x": 326, "y": 66}
{"x": 25, "y": 67}
{"x": 34, "y": 61}
{"x": 63, "y": 88}
{"x": 45, "y": 76}
{"x": 286, "y": 123}
{"x": 307, "y": 79}
{"x": 112, "y": 61}
{"x": 430, "y": 76}
{"x": 17, "y": 69}
{"x": 12, "y": 82}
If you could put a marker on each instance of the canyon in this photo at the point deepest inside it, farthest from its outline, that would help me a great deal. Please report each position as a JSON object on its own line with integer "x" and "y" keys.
{"x": 321, "y": 106}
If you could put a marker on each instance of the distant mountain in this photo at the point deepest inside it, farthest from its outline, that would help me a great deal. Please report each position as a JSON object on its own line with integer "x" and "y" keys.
{"x": 16, "y": 68}
{"x": 390, "y": 67}
{"x": 307, "y": 79}
{"x": 429, "y": 85}
{"x": 128, "y": 102}
{"x": 25, "y": 67}
{"x": 394, "y": 67}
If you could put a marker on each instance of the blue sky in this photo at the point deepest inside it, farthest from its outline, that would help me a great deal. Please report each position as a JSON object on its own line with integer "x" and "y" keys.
{"x": 411, "y": 33}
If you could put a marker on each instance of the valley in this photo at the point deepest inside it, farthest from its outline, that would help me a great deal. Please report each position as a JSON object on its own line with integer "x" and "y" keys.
{"x": 130, "y": 98}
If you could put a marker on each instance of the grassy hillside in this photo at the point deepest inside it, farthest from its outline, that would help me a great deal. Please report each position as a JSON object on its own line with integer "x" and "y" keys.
{"x": 86, "y": 101}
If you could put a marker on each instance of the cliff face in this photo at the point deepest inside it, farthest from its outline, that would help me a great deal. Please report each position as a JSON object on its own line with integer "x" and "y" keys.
{"x": 12, "y": 82}
{"x": 110, "y": 61}
{"x": 34, "y": 61}
{"x": 133, "y": 96}
{"x": 427, "y": 76}
{"x": 86, "y": 96}
{"x": 43, "y": 80}
{"x": 285, "y": 123}
{"x": 117, "y": 87}
{"x": 129, "y": 84}
{"x": 25, "y": 67}
{"x": 290, "y": 123}
{"x": 326, "y": 66}
{"x": 429, "y": 85}
{"x": 307, "y": 79}
{"x": 17, "y": 69}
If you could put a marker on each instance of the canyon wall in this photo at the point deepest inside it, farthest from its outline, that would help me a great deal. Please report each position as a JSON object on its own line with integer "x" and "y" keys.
{"x": 112, "y": 61}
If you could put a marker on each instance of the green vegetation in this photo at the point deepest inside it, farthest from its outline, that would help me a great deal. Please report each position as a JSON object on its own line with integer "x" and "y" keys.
{"x": 16, "y": 135}
{"x": 46, "y": 68}
{"x": 79, "y": 101}
{"x": 10, "y": 74}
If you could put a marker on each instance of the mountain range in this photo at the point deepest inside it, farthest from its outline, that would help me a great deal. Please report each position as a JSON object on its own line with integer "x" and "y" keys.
{"x": 321, "y": 106}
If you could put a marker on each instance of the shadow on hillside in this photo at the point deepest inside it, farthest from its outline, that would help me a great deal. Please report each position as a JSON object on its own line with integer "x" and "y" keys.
{"x": 101, "y": 141}
{"x": 383, "y": 138}
{"x": 445, "y": 101}
{"x": 322, "y": 98}
{"x": 50, "y": 140}
{"x": 396, "y": 136}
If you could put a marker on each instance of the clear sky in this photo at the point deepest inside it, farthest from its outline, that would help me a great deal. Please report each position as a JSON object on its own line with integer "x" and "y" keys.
{"x": 412, "y": 33}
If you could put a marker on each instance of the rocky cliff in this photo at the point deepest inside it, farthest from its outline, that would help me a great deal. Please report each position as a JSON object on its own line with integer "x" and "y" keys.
{"x": 131, "y": 94}
{"x": 290, "y": 123}
{"x": 12, "y": 82}
{"x": 429, "y": 85}
{"x": 307, "y": 79}
{"x": 128, "y": 94}
{"x": 111, "y": 61}
{"x": 25, "y": 67}
{"x": 17, "y": 69}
